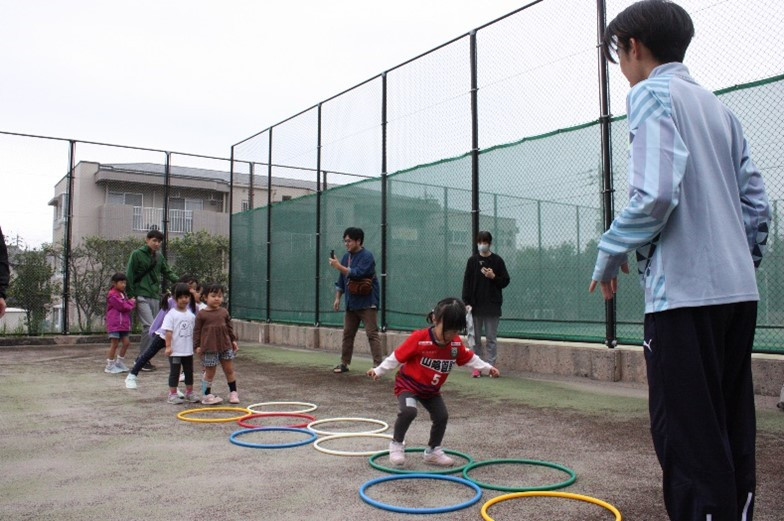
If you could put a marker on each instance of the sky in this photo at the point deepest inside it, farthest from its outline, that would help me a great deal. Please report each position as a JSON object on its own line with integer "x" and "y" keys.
{"x": 199, "y": 76}
{"x": 202, "y": 75}
{"x": 191, "y": 76}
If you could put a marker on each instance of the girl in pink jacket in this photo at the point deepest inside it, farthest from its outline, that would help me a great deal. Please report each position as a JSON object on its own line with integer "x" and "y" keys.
{"x": 118, "y": 323}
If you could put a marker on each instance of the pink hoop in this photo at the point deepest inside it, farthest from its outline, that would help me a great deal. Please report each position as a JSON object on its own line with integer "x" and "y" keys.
{"x": 242, "y": 421}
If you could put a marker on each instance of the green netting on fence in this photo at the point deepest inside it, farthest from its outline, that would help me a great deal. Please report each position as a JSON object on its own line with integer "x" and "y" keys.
{"x": 541, "y": 199}
{"x": 429, "y": 235}
{"x": 249, "y": 264}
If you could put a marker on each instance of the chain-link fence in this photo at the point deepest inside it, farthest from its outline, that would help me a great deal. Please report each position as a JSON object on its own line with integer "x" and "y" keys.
{"x": 73, "y": 211}
{"x": 508, "y": 129}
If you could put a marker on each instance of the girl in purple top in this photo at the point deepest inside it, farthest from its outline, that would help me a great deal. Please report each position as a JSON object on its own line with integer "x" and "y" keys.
{"x": 118, "y": 323}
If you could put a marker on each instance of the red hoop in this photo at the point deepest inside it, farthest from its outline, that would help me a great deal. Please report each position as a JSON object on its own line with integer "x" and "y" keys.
{"x": 242, "y": 421}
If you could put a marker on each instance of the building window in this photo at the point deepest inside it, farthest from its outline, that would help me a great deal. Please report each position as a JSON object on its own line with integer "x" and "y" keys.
{"x": 245, "y": 205}
{"x": 182, "y": 203}
{"x": 61, "y": 209}
{"x": 286, "y": 198}
{"x": 131, "y": 199}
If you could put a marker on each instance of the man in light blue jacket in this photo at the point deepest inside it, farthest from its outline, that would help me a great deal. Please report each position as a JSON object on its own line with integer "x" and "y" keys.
{"x": 698, "y": 219}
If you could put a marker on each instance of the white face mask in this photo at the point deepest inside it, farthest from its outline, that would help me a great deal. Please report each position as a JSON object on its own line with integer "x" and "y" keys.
{"x": 482, "y": 247}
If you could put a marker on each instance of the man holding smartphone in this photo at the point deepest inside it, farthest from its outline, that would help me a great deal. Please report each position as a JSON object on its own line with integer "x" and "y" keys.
{"x": 359, "y": 283}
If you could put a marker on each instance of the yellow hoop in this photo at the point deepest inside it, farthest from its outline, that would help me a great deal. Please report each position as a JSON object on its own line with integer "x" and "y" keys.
{"x": 567, "y": 495}
{"x": 181, "y": 415}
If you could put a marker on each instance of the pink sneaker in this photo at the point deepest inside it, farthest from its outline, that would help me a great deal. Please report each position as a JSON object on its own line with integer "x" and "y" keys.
{"x": 211, "y": 399}
{"x": 397, "y": 453}
{"x": 476, "y": 373}
{"x": 438, "y": 457}
{"x": 234, "y": 397}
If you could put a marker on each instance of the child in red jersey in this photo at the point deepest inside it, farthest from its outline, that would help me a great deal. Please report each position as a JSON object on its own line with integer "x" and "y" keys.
{"x": 425, "y": 360}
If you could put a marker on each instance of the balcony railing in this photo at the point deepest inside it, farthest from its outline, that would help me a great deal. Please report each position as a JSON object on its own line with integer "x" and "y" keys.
{"x": 145, "y": 219}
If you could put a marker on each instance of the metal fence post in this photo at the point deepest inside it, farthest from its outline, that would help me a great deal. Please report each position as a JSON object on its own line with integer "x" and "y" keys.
{"x": 474, "y": 144}
{"x": 384, "y": 196}
{"x": 68, "y": 230}
{"x": 251, "y": 188}
{"x": 166, "y": 186}
{"x": 607, "y": 180}
{"x": 269, "y": 222}
{"x": 316, "y": 317}
{"x": 231, "y": 209}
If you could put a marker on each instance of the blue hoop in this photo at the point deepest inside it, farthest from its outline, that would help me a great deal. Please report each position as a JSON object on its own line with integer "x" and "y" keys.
{"x": 235, "y": 441}
{"x": 405, "y": 510}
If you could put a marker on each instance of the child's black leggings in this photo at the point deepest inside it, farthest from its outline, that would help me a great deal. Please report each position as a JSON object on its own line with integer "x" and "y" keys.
{"x": 174, "y": 372}
{"x": 408, "y": 411}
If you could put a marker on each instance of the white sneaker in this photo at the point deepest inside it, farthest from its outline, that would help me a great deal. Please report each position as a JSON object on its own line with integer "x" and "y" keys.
{"x": 397, "y": 453}
{"x": 121, "y": 366}
{"x": 437, "y": 456}
{"x": 130, "y": 381}
{"x": 234, "y": 397}
{"x": 174, "y": 399}
{"x": 180, "y": 394}
{"x": 211, "y": 399}
{"x": 182, "y": 377}
{"x": 112, "y": 368}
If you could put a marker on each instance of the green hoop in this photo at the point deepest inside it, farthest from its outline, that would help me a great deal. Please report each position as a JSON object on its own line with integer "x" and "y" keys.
{"x": 392, "y": 470}
{"x": 572, "y": 476}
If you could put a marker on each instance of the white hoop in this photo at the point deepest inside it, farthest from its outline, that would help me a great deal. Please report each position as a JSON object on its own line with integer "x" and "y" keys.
{"x": 310, "y": 406}
{"x": 384, "y": 426}
{"x": 349, "y": 435}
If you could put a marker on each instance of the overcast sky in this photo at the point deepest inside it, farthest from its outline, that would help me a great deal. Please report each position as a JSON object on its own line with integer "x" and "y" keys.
{"x": 199, "y": 76}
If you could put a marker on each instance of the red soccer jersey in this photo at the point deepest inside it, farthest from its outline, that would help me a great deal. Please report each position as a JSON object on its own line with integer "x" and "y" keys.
{"x": 426, "y": 365}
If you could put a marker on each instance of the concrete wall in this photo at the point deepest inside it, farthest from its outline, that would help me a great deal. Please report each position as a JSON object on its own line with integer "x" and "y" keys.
{"x": 592, "y": 361}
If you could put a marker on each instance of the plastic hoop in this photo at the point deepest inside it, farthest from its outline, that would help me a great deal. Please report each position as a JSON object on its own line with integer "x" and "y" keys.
{"x": 235, "y": 441}
{"x": 182, "y": 414}
{"x": 384, "y": 426}
{"x": 349, "y": 435}
{"x": 242, "y": 421}
{"x": 567, "y": 495}
{"x": 406, "y": 510}
{"x": 572, "y": 476}
{"x": 309, "y": 407}
{"x": 392, "y": 470}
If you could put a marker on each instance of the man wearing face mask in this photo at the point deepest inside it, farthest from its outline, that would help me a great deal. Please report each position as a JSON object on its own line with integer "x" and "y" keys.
{"x": 485, "y": 276}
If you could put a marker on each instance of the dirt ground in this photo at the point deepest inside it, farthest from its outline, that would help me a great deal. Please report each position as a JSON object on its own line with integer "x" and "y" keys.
{"x": 75, "y": 444}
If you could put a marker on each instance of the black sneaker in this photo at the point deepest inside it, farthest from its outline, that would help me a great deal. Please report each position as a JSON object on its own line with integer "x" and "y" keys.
{"x": 148, "y": 367}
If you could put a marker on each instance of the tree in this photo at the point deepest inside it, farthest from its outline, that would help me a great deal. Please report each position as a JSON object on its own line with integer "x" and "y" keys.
{"x": 92, "y": 264}
{"x": 200, "y": 254}
{"x": 32, "y": 287}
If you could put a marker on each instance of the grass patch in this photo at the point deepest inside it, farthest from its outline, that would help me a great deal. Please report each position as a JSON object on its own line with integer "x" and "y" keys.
{"x": 534, "y": 393}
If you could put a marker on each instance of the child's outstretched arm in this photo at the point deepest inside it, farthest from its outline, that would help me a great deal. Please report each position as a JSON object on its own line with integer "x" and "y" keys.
{"x": 390, "y": 363}
{"x": 483, "y": 367}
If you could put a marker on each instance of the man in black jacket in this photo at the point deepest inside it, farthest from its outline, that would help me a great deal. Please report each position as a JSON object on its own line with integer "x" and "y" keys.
{"x": 485, "y": 277}
{"x": 5, "y": 273}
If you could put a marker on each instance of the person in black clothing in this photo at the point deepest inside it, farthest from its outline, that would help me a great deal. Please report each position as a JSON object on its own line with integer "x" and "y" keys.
{"x": 485, "y": 277}
{"x": 5, "y": 273}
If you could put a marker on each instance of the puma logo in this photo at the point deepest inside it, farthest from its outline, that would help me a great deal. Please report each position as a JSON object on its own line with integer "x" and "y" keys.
{"x": 648, "y": 344}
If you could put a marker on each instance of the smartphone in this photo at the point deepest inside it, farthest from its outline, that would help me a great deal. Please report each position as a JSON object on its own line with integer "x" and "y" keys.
{"x": 332, "y": 253}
